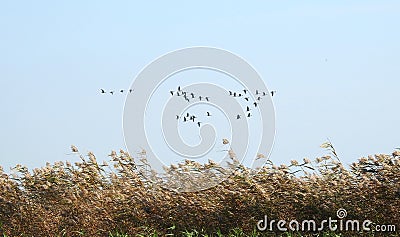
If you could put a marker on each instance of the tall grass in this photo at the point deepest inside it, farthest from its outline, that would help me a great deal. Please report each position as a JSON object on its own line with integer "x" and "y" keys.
{"x": 92, "y": 199}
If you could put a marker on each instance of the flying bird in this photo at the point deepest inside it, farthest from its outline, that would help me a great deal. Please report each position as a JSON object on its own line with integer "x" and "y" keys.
{"x": 247, "y": 109}
{"x": 198, "y": 123}
{"x": 256, "y": 92}
{"x": 238, "y": 116}
{"x": 207, "y": 98}
{"x": 172, "y": 92}
{"x": 272, "y": 93}
{"x": 208, "y": 114}
{"x": 246, "y": 98}
{"x": 225, "y": 141}
{"x": 248, "y": 115}
{"x": 122, "y": 91}
{"x": 112, "y": 92}
{"x": 177, "y": 117}
{"x": 179, "y": 88}
{"x": 255, "y": 104}
{"x": 200, "y": 97}
{"x": 187, "y": 114}
{"x": 192, "y": 95}
{"x": 264, "y": 94}
{"x": 259, "y": 98}
{"x": 102, "y": 91}
{"x": 230, "y": 92}
{"x": 245, "y": 91}
{"x": 130, "y": 90}
{"x": 184, "y": 119}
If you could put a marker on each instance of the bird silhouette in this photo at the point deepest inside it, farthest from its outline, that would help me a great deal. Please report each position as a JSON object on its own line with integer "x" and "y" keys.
{"x": 234, "y": 94}
{"x": 187, "y": 99}
{"x": 200, "y": 97}
{"x": 246, "y": 98}
{"x": 198, "y": 123}
{"x": 130, "y": 90}
{"x": 247, "y": 109}
{"x": 122, "y": 91}
{"x": 264, "y": 94}
{"x": 177, "y": 117}
{"x": 259, "y": 98}
{"x": 238, "y": 116}
{"x": 230, "y": 93}
{"x": 187, "y": 114}
{"x": 208, "y": 114}
{"x": 272, "y": 93}
{"x": 240, "y": 95}
{"x": 112, "y": 92}
{"x": 245, "y": 91}
{"x": 172, "y": 92}
{"x": 184, "y": 119}
{"x": 177, "y": 93}
{"x": 256, "y": 92}
{"x": 208, "y": 98}
{"x": 179, "y": 88}
{"x": 255, "y": 104}
{"x": 248, "y": 115}
{"x": 192, "y": 95}
{"x": 102, "y": 91}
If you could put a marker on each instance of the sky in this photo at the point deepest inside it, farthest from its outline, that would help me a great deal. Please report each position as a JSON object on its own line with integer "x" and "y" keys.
{"x": 334, "y": 65}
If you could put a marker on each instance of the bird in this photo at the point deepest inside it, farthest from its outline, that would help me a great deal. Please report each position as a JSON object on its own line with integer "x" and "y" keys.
{"x": 247, "y": 109}
{"x": 102, "y": 91}
{"x": 255, "y": 104}
{"x": 200, "y": 97}
{"x": 248, "y": 115}
{"x": 122, "y": 91}
{"x": 245, "y": 91}
{"x": 234, "y": 94}
{"x": 179, "y": 88}
{"x": 177, "y": 93}
{"x": 184, "y": 119}
{"x": 225, "y": 141}
{"x": 238, "y": 116}
{"x": 246, "y": 98}
{"x": 272, "y": 93}
{"x": 177, "y": 117}
{"x": 112, "y": 92}
{"x": 259, "y": 98}
{"x": 207, "y": 98}
{"x": 187, "y": 99}
{"x": 240, "y": 95}
{"x": 208, "y": 114}
{"x": 256, "y": 92}
{"x": 198, "y": 123}
{"x": 192, "y": 118}
{"x": 172, "y": 92}
{"x": 187, "y": 114}
{"x": 130, "y": 90}
{"x": 230, "y": 93}
{"x": 264, "y": 94}
{"x": 192, "y": 95}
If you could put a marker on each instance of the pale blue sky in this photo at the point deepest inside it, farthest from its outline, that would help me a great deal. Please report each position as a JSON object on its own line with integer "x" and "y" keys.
{"x": 335, "y": 65}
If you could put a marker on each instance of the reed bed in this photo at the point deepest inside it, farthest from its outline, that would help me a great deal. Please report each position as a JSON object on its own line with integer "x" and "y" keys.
{"x": 92, "y": 199}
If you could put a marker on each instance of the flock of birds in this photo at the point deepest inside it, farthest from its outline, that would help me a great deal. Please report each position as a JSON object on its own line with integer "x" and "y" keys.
{"x": 189, "y": 96}
{"x": 102, "y": 91}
